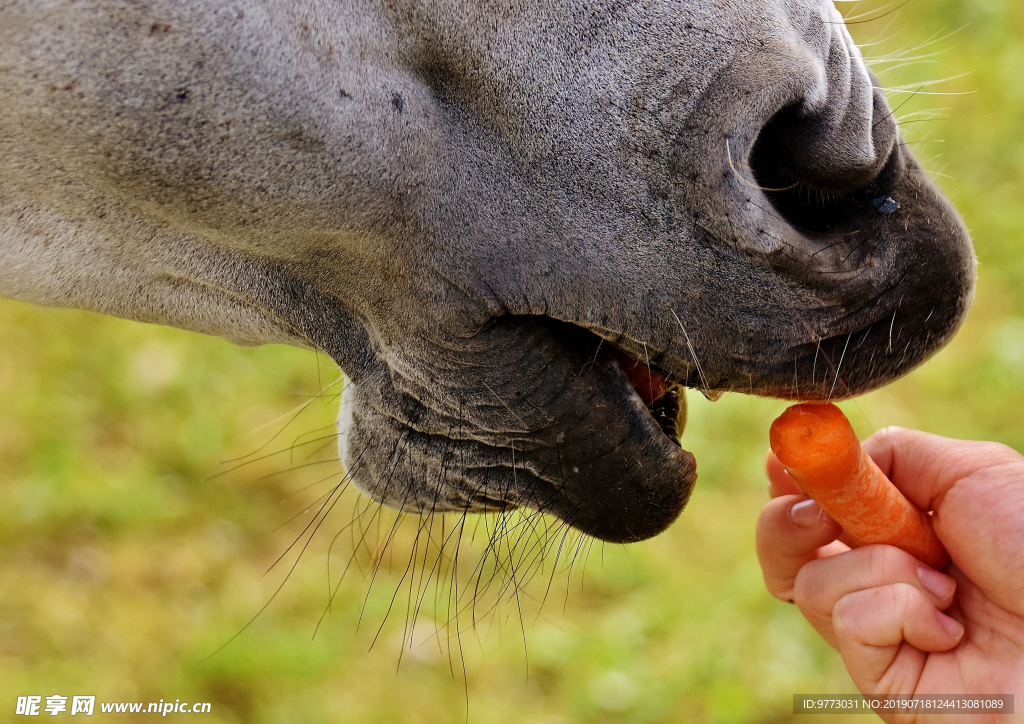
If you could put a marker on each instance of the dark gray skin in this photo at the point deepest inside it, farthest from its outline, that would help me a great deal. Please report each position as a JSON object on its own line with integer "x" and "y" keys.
{"x": 468, "y": 205}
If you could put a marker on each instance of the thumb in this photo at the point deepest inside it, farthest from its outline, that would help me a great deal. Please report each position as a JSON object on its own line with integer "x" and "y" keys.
{"x": 925, "y": 466}
{"x": 975, "y": 491}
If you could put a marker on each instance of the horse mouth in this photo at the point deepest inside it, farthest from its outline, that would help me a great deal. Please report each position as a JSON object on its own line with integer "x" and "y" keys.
{"x": 665, "y": 400}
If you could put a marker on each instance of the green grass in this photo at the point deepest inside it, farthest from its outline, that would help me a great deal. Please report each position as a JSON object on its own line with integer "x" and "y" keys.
{"x": 127, "y": 561}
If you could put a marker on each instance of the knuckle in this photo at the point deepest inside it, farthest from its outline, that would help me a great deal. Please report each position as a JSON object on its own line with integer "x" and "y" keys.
{"x": 887, "y": 563}
{"x": 890, "y": 431}
{"x": 997, "y": 452}
{"x": 890, "y": 437}
{"x": 903, "y": 599}
{"x": 842, "y": 612}
{"x": 842, "y": 607}
{"x": 778, "y": 586}
{"x": 806, "y": 589}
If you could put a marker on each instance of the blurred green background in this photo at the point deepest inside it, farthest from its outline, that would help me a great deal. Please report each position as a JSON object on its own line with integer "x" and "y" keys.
{"x": 131, "y": 552}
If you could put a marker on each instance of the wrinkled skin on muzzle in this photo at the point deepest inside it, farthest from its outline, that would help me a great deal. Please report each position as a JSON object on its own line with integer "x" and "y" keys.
{"x": 476, "y": 209}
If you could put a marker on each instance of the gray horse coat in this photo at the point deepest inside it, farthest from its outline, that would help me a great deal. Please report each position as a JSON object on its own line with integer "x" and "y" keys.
{"x": 476, "y": 208}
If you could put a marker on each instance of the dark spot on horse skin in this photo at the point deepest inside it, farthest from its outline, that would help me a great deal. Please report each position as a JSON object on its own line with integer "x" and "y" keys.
{"x": 159, "y": 28}
{"x": 344, "y": 93}
{"x": 300, "y": 140}
{"x": 397, "y": 102}
{"x": 182, "y": 94}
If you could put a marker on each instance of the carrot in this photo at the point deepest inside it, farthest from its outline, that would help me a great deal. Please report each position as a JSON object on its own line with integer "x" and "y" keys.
{"x": 817, "y": 445}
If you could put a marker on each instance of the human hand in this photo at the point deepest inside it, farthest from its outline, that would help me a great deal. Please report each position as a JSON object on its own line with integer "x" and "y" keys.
{"x": 881, "y": 607}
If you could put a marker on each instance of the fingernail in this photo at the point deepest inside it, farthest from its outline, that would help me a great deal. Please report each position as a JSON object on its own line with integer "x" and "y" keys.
{"x": 805, "y": 514}
{"x": 953, "y": 627}
{"x": 938, "y": 584}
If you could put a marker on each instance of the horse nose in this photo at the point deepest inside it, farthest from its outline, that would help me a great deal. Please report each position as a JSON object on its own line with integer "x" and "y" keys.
{"x": 822, "y": 167}
{"x": 801, "y": 143}
{"x": 836, "y": 137}
{"x": 833, "y": 245}
{"x": 837, "y": 143}
{"x": 836, "y": 140}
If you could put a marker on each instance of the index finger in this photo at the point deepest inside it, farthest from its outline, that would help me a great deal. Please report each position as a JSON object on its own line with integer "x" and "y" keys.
{"x": 791, "y": 531}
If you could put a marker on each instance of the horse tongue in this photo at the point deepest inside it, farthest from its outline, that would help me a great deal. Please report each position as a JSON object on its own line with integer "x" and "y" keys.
{"x": 649, "y": 384}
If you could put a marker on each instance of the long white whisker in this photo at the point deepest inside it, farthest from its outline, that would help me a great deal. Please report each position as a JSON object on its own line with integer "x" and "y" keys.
{"x": 693, "y": 353}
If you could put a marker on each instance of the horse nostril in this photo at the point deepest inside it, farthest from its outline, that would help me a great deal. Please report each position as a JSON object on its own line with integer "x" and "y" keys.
{"x": 838, "y": 139}
{"x": 812, "y": 185}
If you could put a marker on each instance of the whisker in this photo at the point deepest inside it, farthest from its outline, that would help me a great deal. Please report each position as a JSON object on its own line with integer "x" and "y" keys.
{"x": 297, "y": 412}
{"x": 838, "y": 366}
{"x": 693, "y": 354}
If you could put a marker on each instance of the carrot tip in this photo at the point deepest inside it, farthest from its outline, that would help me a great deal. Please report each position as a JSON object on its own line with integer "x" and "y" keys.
{"x": 820, "y": 450}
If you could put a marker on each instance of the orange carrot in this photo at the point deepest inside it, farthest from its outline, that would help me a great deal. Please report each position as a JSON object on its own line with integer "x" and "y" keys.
{"x": 821, "y": 451}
